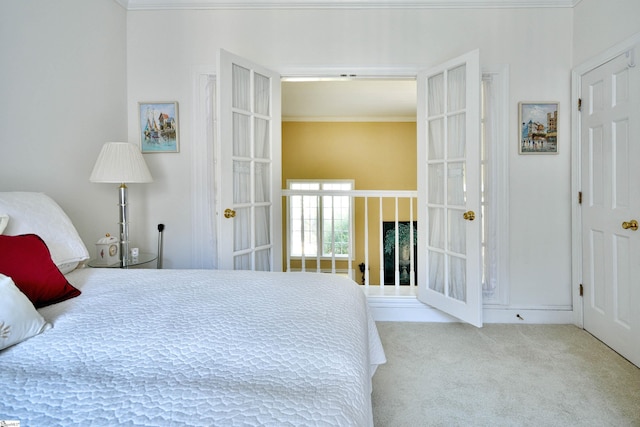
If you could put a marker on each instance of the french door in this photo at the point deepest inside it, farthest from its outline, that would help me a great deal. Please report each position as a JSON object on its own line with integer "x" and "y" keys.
{"x": 250, "y": 214}
{"x": 250, "y": 208}
{"x": 610, "y": 211}
{"x": 449, "y": 187}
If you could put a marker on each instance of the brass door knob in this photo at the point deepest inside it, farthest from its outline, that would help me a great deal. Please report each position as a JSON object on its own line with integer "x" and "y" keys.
{"x": 469, "y": 216}
{"x": 631, "y": 225}
{"x": 229, "y": 213}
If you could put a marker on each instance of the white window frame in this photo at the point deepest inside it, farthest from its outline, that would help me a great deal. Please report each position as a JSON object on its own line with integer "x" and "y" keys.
{"x": 320, "y": 232}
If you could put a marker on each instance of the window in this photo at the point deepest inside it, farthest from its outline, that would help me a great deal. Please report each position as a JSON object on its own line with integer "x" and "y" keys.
{"x": 320, "y": 225}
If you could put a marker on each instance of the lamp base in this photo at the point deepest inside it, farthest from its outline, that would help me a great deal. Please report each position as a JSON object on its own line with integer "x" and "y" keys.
{"x": 125, "y": 256}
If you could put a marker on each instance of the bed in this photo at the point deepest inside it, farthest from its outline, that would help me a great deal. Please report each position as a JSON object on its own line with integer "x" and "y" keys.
{"x": 182, "y": 347}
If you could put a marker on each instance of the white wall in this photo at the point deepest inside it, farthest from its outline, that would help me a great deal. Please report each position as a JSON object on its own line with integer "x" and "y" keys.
{"x": 599, "y": 24}
{"x": 536, "y": 43}
{"x": 63, "y": 94}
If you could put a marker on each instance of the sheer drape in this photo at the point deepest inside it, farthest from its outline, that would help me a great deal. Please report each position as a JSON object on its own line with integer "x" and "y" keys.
{"x": 211, "y": 115}
{"x": 262, "y": 172}
{"x": 489, "y": 187}
{"x": 251, "y": 168}
{"x": 456, "y": 182}
{"x": 436, "y": 179}
{"x": 241, "y": 163}
{"x": 446, "y": 175}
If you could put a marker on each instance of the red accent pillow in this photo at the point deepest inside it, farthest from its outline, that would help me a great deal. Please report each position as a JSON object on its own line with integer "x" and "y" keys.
{"x": 27, "y": 260}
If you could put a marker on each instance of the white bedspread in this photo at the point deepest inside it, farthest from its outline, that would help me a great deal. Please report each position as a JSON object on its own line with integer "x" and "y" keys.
{"x": 197, "y": 348}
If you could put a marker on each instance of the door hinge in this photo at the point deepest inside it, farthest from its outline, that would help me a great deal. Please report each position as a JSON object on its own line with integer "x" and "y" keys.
{"x": 581, "y": 290}
{"x": 579, "y": 104}
{"x": 579, "y": 197}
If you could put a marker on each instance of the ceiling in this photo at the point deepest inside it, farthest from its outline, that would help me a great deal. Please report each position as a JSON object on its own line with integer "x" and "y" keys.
{"x": 349, "y": 100}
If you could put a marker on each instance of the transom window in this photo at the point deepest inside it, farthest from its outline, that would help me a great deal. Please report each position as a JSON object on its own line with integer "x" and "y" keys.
{"x": 320, "y": 224}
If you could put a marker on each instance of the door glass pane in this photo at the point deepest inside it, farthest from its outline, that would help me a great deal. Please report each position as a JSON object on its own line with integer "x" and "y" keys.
{"x": 457, "y": 239}
{"x": 436, "y": 271}
{"x": 436, "y": 139}
{"x": 241, "y": 135}
{"x": 457, "y": 88}
{"x": 241, "y": 87}
{"x": 262, "y": 145}
{"x": 455, "y": 183}
{"x": 456, "y": 136}
{"x": 242, "y": 229}
{"x": 242, "y": 262}
{"x": 263, "y": 236}
{"x": 456, "y": 286}
{"x": 436, "y": 94}
{"x": 241, "y": 182}
{"x": 263, "y": 177}
{"x": 436, "y": 184}
{"x": 263, "y": 260}
{"x": 262, "y": 92}
{"x": 436, "y": 228}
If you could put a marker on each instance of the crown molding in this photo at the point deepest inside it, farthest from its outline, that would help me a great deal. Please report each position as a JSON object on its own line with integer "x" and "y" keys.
{"x": 342, "y": 4}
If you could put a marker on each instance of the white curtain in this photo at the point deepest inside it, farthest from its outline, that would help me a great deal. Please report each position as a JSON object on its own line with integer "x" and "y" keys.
{"x": 262, "y": 171}
{"x": 489, "y": 187}
{"x": 241, "y": 168}
{"x": 446, "y": 174}
{"x": 262, "y": 89}
{"x": 241, "y": 194}
{"x": 251, "y": 143}
{"x": 211, "y": 115}
{"x": 204, "y": 201}
{"x": 435, "y": 191}
{"x": 456, "y": 183}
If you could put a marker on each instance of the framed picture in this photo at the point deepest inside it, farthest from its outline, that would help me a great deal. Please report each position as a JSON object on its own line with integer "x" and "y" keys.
{"x": 404, "y": 246}
{"x": 159, "y": 128}
{"x": 538, "y": 127}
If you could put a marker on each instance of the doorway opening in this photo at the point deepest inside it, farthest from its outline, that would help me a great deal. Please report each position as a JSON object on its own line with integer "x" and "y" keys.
{"x": 361, "y": 130}
{"x": 340, "y": 102}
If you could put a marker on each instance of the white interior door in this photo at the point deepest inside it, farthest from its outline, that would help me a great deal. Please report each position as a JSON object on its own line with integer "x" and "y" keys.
{"x": 449, "y": 187}
{"x": 610, "y": 177}
{"x": 250, "y": 217}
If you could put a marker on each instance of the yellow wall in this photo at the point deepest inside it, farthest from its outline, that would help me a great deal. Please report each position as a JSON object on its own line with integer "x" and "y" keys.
{"x": 378, "y": 156}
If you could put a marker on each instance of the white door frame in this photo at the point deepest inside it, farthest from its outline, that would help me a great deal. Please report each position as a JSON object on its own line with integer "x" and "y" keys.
{"x": 576, "y": 239}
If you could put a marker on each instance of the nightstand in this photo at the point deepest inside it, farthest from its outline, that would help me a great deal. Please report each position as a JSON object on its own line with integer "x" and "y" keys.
{"x": 142, "y": 258}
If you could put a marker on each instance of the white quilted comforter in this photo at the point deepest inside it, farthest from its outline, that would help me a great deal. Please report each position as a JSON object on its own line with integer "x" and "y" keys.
{"x": 197, "y": 348}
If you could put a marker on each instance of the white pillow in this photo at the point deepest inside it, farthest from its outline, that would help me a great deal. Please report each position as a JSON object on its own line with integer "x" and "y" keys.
{"x": 19, "y": 319}
{"x": 37, "y": 213}
{"x": 4, "y": 220}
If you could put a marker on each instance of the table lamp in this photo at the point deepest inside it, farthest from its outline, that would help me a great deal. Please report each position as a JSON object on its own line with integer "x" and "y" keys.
{"x": 121, "y": 163}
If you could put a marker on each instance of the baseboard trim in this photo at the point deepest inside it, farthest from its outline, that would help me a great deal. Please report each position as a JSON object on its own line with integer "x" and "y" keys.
{"x": 409, "y": 309}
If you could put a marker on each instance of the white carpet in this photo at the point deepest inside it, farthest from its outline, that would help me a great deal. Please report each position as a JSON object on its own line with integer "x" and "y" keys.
{"x": 453, "y": 374}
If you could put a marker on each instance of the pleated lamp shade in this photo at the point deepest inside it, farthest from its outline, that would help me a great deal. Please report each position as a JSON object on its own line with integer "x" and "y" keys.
{"x": 120, "y": 162}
